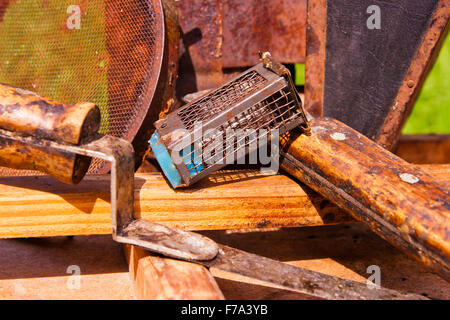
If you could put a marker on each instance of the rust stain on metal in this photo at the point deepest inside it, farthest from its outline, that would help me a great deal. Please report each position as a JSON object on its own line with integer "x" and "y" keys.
{"x": 315, "y": 57}
{"x": 416, "y": 75}
{"x": 211, "y": 29}
{"x": 246, "y": 26}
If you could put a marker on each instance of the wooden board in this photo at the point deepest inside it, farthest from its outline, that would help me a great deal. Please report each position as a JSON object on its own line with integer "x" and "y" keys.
{"x": 158, "y": 278}
{"x": 41, "y": 206}
{"x": 424, "y": 149}
{"x": 37, "y": 268}
{"x": 245, "y": 31}
{"x": 343, "y": 250}
{"x": 369, "y": 78}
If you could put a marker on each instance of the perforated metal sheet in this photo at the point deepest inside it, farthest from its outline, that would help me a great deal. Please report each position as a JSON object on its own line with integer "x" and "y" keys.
{"x": 108, "y": 52}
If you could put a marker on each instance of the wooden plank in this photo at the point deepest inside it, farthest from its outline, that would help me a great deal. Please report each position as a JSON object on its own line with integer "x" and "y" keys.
{"x": 424, "y": 149}
{"x": 62, "y": 268}
{"x": 157, "y": 278}
{"x": 41, "y": 206}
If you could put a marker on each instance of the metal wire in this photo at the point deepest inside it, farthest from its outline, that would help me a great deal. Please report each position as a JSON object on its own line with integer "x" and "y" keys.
{"x": 272, "y": 113}
{"x": 107, "y": 59}
{"x": 221, "y": 98}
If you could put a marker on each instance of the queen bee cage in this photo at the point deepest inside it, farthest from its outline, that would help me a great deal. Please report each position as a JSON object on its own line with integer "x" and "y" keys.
{"x": 198, "y": 138}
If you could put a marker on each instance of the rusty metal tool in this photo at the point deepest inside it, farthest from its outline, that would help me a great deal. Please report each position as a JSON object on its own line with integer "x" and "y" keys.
{"x": 41, "y": 134}
{"x": 260, "y": 100}
{"x": 399, "y": 201}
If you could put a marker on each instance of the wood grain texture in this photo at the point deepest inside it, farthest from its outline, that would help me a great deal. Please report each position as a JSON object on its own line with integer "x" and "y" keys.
{"x": 424, "y": 149}
{"x": 158, "y": 278}
{"x": 400, "y": 202}
{"x": 27, "y": 114}
{"x": 40, "y": 206}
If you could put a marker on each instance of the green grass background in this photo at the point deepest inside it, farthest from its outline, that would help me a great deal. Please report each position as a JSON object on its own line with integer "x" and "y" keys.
{"x": 431, "y": 113}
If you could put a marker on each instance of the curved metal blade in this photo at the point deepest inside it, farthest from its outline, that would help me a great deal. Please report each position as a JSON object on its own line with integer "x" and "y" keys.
{"x": 297, "y": 279}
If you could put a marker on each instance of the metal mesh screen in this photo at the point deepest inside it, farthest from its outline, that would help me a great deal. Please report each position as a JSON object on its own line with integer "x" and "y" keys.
{"x": 275, "y": 112}
{"x": 103, "y": 51}
{"x": 221, "y": 98}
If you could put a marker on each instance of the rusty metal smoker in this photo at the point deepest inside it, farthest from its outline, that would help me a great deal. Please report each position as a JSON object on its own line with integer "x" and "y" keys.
{"x": 263, "y": 97}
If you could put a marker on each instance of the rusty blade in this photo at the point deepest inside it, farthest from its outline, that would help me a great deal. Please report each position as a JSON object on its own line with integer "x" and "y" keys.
{"x": 193, "y": 247}
{"x": 297, "y": 279}
{"x": 168, "y": 241}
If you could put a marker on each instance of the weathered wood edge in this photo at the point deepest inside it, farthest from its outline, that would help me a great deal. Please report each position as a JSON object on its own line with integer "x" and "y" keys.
{"x": 158, "y": 278}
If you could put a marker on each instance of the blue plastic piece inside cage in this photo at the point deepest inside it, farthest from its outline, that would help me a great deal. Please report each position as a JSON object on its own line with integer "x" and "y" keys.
{"x": 191, "y": 160}
{"x": 189, "y": 156}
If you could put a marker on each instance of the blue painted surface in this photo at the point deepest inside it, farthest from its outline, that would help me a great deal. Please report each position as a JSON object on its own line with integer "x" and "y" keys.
{"x": 192, "y": 160}
{"x": 164, "y": 160}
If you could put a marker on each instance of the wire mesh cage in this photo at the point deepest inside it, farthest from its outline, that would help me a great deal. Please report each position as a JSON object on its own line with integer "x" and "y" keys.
{"x": 228, "y": 123}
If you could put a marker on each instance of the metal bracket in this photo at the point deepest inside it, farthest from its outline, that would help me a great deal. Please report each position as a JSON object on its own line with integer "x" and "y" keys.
{"x": 126, "y": 228}
{"x": 281, "y": 70}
